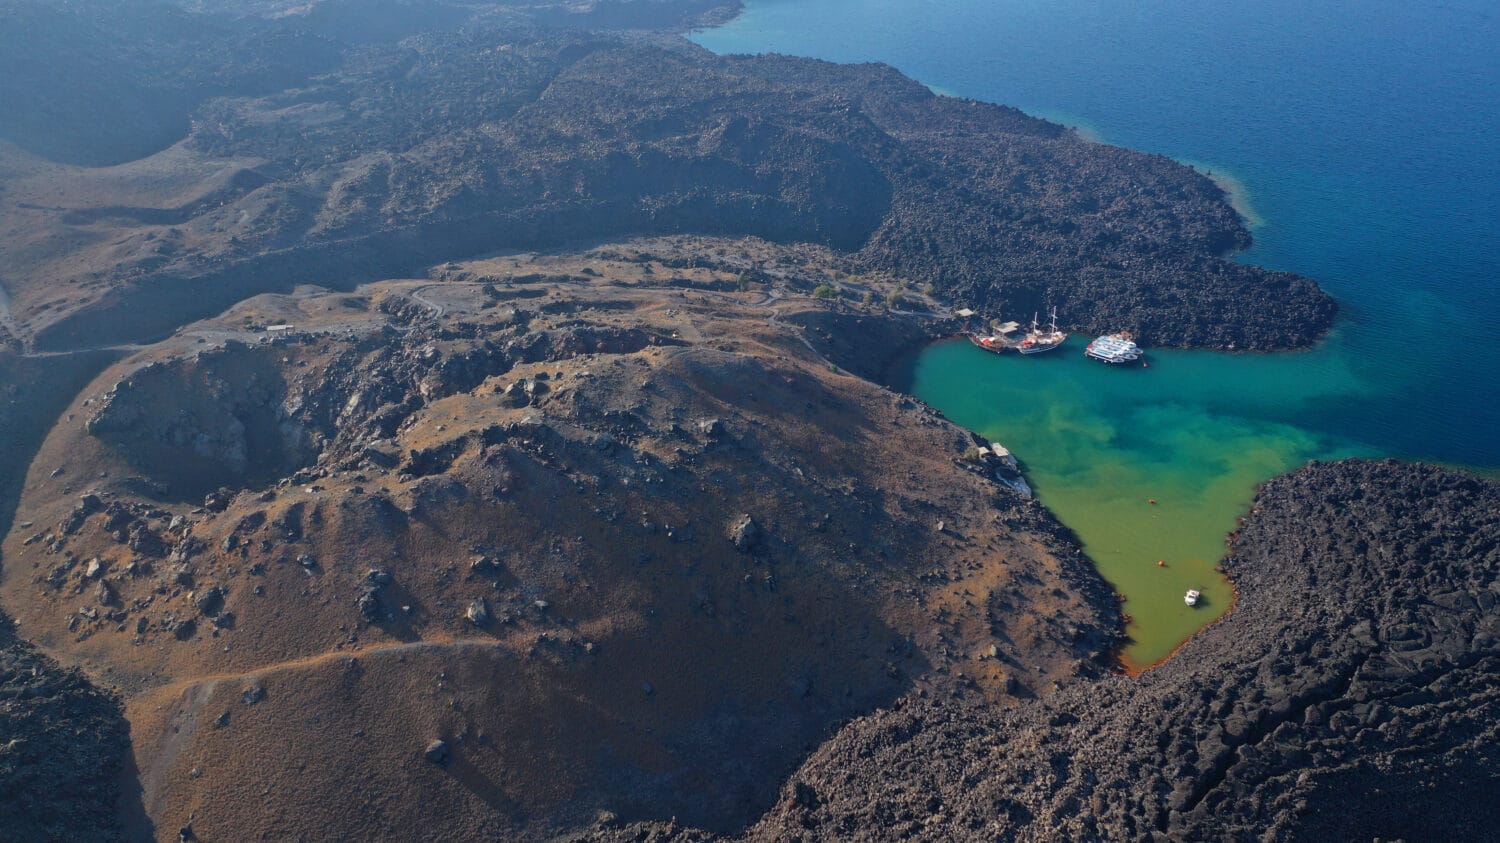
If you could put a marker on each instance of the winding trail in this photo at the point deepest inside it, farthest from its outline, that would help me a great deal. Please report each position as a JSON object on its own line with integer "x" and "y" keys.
{"x": 774, "y": 294}
{"x": 437, "y": 309}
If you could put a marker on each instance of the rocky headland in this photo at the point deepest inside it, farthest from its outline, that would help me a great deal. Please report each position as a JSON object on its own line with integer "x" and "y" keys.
{"x": 385, "y": 156}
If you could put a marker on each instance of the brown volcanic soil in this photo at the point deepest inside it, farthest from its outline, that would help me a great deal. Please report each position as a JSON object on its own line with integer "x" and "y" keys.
{"x": 596, "y": 427}
{"x": 63, "y": 742}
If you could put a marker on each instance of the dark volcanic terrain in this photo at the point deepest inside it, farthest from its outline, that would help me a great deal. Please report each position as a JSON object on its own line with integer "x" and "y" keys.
{"x": 433, "y": 419}
{"x": 1352, "y": 695}
{"x": 504, "y": 134}
{"x": 63, "y": 747}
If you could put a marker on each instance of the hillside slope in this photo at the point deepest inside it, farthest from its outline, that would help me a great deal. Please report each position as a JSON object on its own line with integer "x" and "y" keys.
{"x": 614, "y": 531}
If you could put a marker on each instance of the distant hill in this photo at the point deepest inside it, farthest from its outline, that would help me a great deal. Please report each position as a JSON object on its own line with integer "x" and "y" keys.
{"x": 349, "y": 159}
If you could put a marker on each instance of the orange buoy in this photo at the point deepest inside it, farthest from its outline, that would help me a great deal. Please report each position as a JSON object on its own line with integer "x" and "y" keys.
{"x": 1161, "y": 563}
{"x": 1151, "y": 501}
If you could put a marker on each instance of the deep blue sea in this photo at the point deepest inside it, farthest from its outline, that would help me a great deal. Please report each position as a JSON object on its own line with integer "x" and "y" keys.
{"x": 1362, "y": 140}
{"x": 1366, "y": 134}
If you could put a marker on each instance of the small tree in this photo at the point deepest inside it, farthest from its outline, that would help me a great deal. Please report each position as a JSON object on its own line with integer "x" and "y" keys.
{"x": 825, "y": 291}
{"x": 895, "y": 298}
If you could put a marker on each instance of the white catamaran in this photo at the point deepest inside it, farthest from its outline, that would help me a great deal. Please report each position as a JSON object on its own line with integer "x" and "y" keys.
{"x": 1114, "y": 348}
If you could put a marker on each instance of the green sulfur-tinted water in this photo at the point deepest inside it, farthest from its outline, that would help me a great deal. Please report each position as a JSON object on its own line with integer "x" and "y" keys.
{"x": 1098, "y": 442}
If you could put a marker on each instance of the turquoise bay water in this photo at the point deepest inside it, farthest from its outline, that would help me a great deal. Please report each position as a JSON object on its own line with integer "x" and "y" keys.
{"x": 1364, "y": 134}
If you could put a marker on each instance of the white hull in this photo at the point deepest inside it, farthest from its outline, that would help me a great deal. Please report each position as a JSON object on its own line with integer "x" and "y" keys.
{"x": 1106, "y": 359}
{"x": 1113, "y": 348}
{"x": 1038, "y": 348}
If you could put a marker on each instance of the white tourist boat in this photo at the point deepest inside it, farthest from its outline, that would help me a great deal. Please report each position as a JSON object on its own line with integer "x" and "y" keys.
{"x": 1114, "y": 348}
{"x": 1191, "y": 598}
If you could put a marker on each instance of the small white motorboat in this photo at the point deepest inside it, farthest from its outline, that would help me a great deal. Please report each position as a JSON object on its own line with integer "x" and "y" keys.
{"x": 1191, "y": 598}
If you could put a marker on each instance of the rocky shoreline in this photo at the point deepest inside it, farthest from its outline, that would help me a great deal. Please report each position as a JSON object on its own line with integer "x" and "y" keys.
{"x": 500, "y": 135}
{"x": 1351, "y": 695}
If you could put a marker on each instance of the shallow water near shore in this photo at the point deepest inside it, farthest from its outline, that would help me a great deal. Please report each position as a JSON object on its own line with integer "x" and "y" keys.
{"x": 1359, "y": 141}
{"x": 1100, "y": 442}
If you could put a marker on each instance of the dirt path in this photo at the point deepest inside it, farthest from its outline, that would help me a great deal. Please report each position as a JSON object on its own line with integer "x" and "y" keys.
{"x": 172, "y": 713}
{"x": 437, "y": 309}
{"x": 773, "y": 317}
{"x": 7, "y": 324}
{"x": 187, "y": 687}
{"x": 775, "y": 294}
